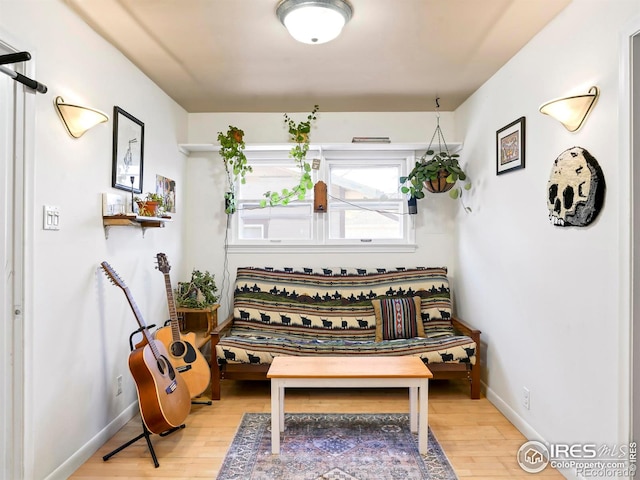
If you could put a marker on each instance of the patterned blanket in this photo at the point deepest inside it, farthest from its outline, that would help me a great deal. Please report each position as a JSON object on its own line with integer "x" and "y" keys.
{"x": 329, "y": 312}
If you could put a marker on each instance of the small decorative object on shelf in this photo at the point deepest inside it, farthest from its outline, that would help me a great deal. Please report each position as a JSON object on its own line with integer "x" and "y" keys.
{"x": 150, "y": 204}
{"x": 370, "y": 140}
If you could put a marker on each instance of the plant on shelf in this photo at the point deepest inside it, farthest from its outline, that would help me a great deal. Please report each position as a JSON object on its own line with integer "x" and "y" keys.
{"x": 299, "y": 134}
{"x": 437, "y": 174}
{"x": 235, "y": 163}
{"x": 199, "y": 292}
{"x": 149, "y": 204}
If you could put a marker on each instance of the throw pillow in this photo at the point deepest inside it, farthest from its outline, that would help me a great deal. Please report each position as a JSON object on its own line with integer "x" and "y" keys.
{"x": 397, "y": 318}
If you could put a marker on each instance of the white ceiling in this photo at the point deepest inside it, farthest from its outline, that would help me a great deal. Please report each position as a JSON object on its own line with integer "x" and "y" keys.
{"x": 394, "y": 55}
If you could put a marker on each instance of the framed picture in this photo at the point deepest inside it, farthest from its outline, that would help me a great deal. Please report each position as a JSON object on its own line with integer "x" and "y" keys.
{"x": 128, "y": 151}
{"x": 167, "y": 188}
{"x": 510, "y": 147}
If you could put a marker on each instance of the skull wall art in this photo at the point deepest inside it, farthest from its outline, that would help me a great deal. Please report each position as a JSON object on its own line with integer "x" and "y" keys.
{"x": 575, "y": 192}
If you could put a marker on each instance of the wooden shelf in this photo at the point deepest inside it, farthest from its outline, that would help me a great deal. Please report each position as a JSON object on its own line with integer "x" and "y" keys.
{"x": 188, "y": 148}
{"x": 109, "y": 221}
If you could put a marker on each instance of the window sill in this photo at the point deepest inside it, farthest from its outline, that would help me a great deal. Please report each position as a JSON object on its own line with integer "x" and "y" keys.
{"x": 353, "y": 248}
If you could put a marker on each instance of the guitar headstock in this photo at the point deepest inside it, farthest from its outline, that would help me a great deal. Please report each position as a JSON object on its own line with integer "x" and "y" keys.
{"x": 112, "y": 275}
{"x": 163, "y": 263}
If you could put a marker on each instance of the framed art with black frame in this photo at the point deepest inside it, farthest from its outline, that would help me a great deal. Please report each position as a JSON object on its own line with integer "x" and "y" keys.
{"x": 510, "y": 147}
{"x": 128, "y": 151}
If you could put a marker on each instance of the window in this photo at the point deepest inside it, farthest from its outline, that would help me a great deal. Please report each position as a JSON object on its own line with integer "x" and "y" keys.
{"x": 364, "y": 207}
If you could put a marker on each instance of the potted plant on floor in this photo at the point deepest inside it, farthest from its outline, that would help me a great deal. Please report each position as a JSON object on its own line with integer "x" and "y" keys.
{"x": 299, "y": 134}
{"x": 199, "y": 292}
{"x": 235, "y": 163}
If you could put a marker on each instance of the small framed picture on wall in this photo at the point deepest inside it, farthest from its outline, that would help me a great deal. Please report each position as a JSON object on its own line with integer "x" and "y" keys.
{"x": 128, "y": 151}
{"x": 510, "y": 147}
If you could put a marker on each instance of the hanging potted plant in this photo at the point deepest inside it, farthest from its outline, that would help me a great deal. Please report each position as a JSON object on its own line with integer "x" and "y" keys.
{"x": 299, "y": 134}
{"x": 437, "y": 174}
{"x": 235, "y": 163}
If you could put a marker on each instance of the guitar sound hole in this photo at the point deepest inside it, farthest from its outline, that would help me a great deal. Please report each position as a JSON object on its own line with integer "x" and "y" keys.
{"x": 164, "y": 366}
{"x": 161, "y": 366}
{"x": 178, "y": 349}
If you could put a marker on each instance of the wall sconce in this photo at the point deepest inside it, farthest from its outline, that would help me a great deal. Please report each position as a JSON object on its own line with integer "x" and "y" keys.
{"x": 571, "y": 111}
{"x": 77, "y": 120}
{"x": 314, "y": 21}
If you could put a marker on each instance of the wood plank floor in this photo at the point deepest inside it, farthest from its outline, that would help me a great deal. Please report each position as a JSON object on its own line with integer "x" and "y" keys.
{"x": 480, "y": 442}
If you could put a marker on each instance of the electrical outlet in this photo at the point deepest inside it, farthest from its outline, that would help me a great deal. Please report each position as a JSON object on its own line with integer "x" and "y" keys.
{"x": 118, "y": 385}
{"x": 526, "y": 398}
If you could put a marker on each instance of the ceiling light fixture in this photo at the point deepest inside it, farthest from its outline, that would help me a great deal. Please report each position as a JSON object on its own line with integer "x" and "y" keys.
{"x": 314, "y": 21}
{"x": 77, "y": 120}
{"x": 571, "y": 111}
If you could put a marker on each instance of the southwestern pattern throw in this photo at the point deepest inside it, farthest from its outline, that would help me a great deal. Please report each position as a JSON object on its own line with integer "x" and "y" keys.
{"x": 330, "y": 312}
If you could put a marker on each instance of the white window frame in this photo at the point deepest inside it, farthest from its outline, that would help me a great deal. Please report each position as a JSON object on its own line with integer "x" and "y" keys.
{"x": 391, "y": 158}
{"x": 404, "y": 156}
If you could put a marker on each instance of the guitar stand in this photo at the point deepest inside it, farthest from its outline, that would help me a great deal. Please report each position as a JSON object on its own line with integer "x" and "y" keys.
{"x": 145, "y": 431}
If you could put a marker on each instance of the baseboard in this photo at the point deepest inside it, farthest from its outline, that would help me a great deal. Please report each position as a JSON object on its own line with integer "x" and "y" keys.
{"x": 527, "y": 430}
{"x": 65, "y": 470}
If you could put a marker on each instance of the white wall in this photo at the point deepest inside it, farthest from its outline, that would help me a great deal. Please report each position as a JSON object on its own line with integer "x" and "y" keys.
{"x": 548, "y": 298}
{"x": 205, "y": 239}
{"x": 76, "y": 323}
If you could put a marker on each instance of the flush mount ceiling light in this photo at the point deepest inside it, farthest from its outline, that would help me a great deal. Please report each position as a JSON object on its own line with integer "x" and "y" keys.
{"x": 571, "y": 111}
{"x": 77, "y": 119}
{"x": 314, "y": 21}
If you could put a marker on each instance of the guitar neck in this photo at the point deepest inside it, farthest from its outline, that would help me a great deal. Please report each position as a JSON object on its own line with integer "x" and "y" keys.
{"x": 141, "y": 323}
{"x": 173, "y": 315}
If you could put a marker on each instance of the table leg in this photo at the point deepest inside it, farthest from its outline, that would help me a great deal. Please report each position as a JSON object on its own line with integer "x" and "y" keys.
{"x": 275, "y": 414}
{"x": 281, "y": 397}
{"x": 423, "y": 421}
{"x": 413, "y": 409}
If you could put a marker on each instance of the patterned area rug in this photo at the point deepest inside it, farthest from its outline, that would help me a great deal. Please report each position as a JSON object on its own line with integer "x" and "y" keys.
{"x": 333, "y": 447}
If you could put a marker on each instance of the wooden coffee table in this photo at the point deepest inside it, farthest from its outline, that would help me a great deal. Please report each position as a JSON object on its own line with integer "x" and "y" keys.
{"x": 351, "y": 372}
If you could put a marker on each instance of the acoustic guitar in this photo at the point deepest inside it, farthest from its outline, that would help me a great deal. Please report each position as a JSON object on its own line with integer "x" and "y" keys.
{"x": 162, "y": 393}
{"x": 185, "y": 357}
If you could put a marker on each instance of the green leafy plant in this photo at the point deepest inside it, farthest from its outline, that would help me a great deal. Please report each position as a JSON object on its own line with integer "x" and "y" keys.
{"x": 199, "y": 292}
{"x": 298, "y": 133}
{"x": 235, "y": 163}
{"x": 429, "y": 172}
{"x": 440, "y": 173}
{"x": 149, "y": 204}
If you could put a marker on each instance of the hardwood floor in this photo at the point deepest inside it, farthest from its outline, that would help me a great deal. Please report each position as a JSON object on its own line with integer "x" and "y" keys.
{"x": 479, "y": 441}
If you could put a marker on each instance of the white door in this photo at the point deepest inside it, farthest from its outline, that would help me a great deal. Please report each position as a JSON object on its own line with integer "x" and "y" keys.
{"x": 12, "y": 103}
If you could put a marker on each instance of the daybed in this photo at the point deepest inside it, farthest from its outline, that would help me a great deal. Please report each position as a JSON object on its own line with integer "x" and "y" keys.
{"x": 331, "y": 312}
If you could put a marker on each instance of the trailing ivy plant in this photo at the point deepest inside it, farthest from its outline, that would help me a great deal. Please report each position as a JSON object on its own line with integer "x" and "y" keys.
{"x": 235, "y": 163}
{"x": 298, "y": 133}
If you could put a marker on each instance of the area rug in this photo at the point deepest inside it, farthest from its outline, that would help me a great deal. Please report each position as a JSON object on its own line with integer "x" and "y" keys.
{"x": 333, "y": 447}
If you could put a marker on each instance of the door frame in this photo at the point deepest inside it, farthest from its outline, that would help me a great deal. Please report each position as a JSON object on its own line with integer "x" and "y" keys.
{"x": 14, "y": 324}
{"x": 629, "y": 224}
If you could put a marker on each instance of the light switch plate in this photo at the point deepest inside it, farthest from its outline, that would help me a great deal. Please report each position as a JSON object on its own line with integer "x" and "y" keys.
{"x": 51, "y": 217}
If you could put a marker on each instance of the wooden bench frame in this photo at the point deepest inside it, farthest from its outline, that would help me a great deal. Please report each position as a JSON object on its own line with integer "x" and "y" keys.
{"x": 246, "y": 371}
